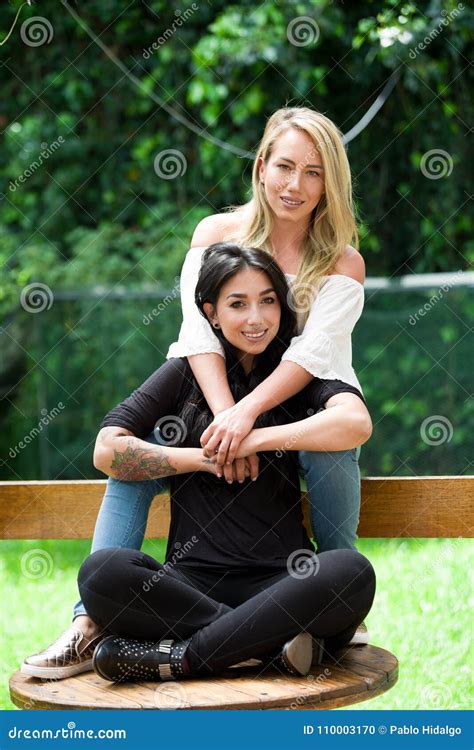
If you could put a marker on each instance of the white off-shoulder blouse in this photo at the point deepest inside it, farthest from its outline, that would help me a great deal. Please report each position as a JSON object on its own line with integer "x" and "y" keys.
{"x": 322, "y": 346}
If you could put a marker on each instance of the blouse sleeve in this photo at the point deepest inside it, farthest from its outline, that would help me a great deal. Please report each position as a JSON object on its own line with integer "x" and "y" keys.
{"x": 196, "y": 335}
{"x": 324, "y": 345}
{"x": 155, "y": 400}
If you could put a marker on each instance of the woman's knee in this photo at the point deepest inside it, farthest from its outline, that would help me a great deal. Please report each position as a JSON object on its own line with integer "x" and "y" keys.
{"x": 328, "y": 466}
{"x": 356, "y": 560}
{"x": 101, "y": 568}
{"x": 359, "y": 564}
{"x": 354, "y": 571}
{"x": 362, "y": 578}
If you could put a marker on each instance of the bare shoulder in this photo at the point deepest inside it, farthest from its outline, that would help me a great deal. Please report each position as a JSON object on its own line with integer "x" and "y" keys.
{"x": 213, "y": 228}
{"x": 351, "y": 264}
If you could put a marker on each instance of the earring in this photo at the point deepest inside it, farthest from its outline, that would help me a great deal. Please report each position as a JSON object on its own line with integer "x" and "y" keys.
{"x": 216, "y": 325}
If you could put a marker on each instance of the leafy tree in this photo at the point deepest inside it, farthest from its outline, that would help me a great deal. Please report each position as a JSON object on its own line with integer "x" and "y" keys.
{"x": 87, "y": 204}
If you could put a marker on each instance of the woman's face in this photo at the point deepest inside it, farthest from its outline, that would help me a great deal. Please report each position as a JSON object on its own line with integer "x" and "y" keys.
{"x": 248, "y": 311}
{"x": 293, "y": 177}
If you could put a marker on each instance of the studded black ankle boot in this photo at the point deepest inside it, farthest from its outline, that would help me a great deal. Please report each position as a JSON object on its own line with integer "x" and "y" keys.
{"x": 127, "y": 660}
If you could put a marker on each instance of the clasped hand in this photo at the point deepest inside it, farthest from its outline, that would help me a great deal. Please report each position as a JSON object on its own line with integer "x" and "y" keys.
{"x": 228, "y": 435}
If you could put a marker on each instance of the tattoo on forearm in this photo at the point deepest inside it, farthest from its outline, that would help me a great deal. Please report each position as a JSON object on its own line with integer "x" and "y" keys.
{"x": 135, "y": 463}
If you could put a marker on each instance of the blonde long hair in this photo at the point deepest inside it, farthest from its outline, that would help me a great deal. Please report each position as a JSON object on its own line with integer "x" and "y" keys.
{"x": 333, "y": 224}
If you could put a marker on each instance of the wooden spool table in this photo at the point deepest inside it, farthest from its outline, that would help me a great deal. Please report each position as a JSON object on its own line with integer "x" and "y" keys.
{"x": 357, "y": 673}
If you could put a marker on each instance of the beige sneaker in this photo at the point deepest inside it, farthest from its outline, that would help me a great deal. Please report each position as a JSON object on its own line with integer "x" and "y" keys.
{"x": 361, "y": 636}
{"x": 70, "y": 654}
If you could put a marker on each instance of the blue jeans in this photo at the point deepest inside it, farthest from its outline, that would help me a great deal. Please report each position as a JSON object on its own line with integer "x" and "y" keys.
{"x": 333, "y": 486}
{"x": 333, "y": 483}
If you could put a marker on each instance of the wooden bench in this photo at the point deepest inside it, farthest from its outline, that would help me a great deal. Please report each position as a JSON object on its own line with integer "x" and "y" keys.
{"x": 391, "y": 507}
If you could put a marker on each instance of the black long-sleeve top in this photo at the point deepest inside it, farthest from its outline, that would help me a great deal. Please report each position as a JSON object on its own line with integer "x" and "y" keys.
{"x": 256, "y": 523}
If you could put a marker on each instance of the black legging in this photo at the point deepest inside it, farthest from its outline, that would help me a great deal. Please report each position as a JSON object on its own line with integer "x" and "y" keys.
{"x": 230, "y": 615}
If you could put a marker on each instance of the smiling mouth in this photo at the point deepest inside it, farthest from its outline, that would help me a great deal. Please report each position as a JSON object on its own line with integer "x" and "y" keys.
{"x": 254, "y": 336}
{"x": 292, "y": 203}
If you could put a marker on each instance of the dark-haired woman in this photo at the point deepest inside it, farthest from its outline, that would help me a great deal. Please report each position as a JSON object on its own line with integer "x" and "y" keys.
{"x": 233, "y": 585}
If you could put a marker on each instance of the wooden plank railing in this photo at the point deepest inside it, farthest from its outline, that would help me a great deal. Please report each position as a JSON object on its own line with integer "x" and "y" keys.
{"x": 391, "y": 507}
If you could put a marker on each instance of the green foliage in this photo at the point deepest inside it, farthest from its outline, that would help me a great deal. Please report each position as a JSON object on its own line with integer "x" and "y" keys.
{"x": 411, "y": 351}
{"x": 229, "y": 67}
{"x": 83, "y": 205}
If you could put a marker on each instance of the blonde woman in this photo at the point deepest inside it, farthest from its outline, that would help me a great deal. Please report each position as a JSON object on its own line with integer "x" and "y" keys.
{"x": 301, "y": 212}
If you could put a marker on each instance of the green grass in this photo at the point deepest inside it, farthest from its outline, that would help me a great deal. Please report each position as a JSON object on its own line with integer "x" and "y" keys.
{"x": 421, "y": 612}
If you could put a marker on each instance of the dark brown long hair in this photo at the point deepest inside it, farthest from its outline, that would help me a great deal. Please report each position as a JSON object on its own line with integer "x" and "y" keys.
{"x": 221, "y": 261}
